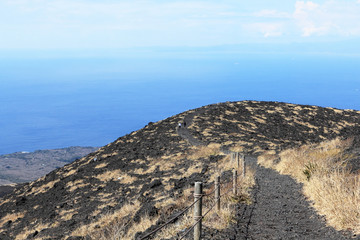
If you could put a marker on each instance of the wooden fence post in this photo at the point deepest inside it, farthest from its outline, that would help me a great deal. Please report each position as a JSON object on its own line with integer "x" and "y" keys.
{"x": 238, "y": 160}
{"x": 243, "y": 166}
{"x": 198, "y": 210}
{"x": 217, "y": 192}
{"x": 234, "y": 181}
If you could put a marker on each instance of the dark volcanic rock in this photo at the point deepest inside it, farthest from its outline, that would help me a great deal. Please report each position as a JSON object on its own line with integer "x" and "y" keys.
{"x": 272, "y": 125}
{"x": 5, "y": 190}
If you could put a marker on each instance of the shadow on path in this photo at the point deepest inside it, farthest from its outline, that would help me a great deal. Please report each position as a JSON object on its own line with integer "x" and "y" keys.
{"x": 280, "y": 211}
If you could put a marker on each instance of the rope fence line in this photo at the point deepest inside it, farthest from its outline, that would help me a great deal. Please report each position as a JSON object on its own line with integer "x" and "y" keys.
{"x": 169, "y": 221}
{"x": 198, "y": 197}
{"x": 178, "y": 215}
{"x": 201, "y": 217}
{"x": 197, "y": 221}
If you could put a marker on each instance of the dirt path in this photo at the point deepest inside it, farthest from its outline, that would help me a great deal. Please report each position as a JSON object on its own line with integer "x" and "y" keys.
{"x": 184, "y": 132}
{"x": 279, "y": 209}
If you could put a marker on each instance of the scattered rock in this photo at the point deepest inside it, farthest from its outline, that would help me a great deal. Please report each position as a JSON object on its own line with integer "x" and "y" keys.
{"x": 155, "y": 183}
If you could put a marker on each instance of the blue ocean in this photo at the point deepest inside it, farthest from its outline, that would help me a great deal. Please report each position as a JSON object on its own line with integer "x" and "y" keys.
{"x": 55, "y": 102}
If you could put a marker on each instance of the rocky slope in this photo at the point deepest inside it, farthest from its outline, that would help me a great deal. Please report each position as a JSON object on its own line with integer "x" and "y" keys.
{"x": 22, "y": 167}
{"x": 152, "y": 164}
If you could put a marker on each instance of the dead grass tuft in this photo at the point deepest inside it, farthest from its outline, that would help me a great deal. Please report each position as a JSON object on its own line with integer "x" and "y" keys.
{"x": 11, "y": 217}
{"x": 116, "y": 175}
{"x": 66, "y": 215}
{"x": 337, "y": 196}
{"x": 30, "y": 230}
{"x": 111, "y": 224}
{"x": 72, "y": 186}
{"x": 237, "y": 148}
{"x": 205, "y": 151}
{"x": 267, "y": 160}
{"x": 181, "y": 225}
{"x": 101, "y": 165}
{"x": 44, "y": 188}
{"x": 143, "y": 225}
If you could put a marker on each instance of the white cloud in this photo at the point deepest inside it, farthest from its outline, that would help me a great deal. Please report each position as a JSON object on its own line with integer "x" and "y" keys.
{"x": 109, "y": 23}
{"x": 333, "y": 18}
{"x": 267, "y": 13}
{"x": 303, "y": 11}
{"x": 266, "y": 29}
{"x": 302, "y": 6}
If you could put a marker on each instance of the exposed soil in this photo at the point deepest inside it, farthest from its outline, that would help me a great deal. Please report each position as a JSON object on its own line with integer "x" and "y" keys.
{"x": 140, "y": 166}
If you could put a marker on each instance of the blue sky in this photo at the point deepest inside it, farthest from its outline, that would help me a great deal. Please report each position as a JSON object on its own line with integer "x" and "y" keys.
{"x": 84, "y": 72}
{"x": 108, "y": 24}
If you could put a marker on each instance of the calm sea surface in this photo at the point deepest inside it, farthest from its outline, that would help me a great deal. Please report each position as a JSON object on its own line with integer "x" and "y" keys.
{"x": 60, "y": 102}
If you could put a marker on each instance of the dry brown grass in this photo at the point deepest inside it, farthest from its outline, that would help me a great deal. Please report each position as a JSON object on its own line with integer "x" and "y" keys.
{"x": 178, "y": 203}
{"x": 328, "y": 182}
{"x": 72, "y": 186}
{"x": 116, "y": 175}
{"x": 101, "y": 165}
{"x": 323, "y": 158}
{"x": 162, "y": 163}
{"x": 69, "y": 172}
{"x": 268, "y": 159}
{"x": 6, "y": 201}
{"x": 237, "y": 148}
{"x": 171, "y": 230}
{"x": 66, "y": 215}
{"x": 43, "y": 188}
{"x": 30, "y": 230}
{"x": 144, "y": 224}
{"x": 337, "y": 196}
{"x": 226, "y": 164}
{"x": 11, "y": 217}
{"x": 205, "y": 151}
{"x": 222, "y": 219}
{"x": 110, "y": 225}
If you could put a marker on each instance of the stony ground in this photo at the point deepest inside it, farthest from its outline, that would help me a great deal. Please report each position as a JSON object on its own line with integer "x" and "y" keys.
{"x": 152, "y": 165}
{"x": 258, "y": 126}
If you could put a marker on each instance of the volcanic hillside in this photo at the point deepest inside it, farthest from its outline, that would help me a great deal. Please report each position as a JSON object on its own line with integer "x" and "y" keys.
{"x": 143, "y": 170}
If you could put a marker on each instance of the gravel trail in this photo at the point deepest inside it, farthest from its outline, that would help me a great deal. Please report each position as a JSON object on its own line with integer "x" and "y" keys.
{"x": 184, "y": 132}
{"x": 279, "y": 209}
